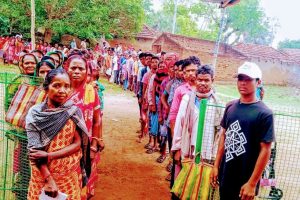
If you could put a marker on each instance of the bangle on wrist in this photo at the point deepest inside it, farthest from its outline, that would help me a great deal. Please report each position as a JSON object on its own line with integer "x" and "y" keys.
{"x": 94, "y": 149}
{"x": 98, "y": 139}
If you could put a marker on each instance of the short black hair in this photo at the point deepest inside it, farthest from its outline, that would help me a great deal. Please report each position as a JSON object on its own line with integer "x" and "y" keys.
{"x": 178, "y": 63}
{"x": 154, "y": 58}
{"x": 195, "y": 60}
{"x": 186, "y": 62}
{"x": 50, "y": 76}
{"x": 163, "y": 53}
{"x": 38, "y": 51}
{"x": 148, "y": 54}
{"x": 205, "y": 69}
{"x": 142, "y": 55}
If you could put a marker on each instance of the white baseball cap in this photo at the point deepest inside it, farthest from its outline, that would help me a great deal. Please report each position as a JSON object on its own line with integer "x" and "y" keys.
{"x": 250, "y": 69}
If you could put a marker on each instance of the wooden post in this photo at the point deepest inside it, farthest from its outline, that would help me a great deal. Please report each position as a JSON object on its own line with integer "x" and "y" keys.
{"x": 32, "y": 24}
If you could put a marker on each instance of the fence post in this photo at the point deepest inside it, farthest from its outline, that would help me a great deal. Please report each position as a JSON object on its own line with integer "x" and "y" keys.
{"x": 6, "y": 156}
{"x": 202, "y": 113}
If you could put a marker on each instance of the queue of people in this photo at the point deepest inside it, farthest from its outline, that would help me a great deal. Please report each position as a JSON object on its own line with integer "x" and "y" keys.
{"x": 236, "y": 144}
{"x": 65, "y": 131}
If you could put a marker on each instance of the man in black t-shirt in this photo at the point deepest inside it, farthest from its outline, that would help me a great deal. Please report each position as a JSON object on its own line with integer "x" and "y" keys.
{"x": 245, "y": 142}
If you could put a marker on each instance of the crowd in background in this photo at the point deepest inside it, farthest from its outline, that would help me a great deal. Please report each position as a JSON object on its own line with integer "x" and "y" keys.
{"x": 168, "y": 90}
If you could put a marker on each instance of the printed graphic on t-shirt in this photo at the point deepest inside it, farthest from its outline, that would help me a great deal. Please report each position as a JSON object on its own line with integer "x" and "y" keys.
{"x": 235, "y": 141}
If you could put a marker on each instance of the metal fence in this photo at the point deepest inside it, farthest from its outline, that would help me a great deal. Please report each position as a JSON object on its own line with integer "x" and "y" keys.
{"x": 14, "y": 164}
{"x": 281, "y": 178}
{"x": 283, "y": 170}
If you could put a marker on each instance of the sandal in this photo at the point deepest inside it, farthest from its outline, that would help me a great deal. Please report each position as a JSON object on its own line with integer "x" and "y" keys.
{"x": 148, "y": 146}
{"x": 152, "y": 150}
{"x": 169, "y": 167}
{"x": 161, "y": 158}
{"x": 168, "y": 177}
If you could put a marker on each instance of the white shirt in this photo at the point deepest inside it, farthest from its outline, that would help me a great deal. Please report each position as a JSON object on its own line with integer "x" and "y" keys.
{"x": 212, "y": 119}
{"x": 115, "y": 62}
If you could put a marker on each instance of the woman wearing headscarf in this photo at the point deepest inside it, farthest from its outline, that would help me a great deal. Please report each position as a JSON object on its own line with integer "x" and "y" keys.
{"x": 56, "y": 56}
{"x": 57, "y": 141}
{"x": 86, "y": 98}
{"x": 43, "y": 67}
{"x": 21, "y": 168}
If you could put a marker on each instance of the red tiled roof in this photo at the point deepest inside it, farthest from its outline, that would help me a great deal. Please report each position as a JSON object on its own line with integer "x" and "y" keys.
{"x": 293, "y": 53}
{"x": 196, "y": 44}
{"x": 148, "y": 32}
{"x": 263, "y": 52}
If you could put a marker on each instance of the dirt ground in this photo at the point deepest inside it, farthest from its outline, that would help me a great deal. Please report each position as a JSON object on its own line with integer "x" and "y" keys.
{"x": 126, "y": 172}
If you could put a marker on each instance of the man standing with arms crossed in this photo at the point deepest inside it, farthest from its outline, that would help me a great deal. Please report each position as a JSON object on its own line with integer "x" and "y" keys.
{"x": 245, "y": 141}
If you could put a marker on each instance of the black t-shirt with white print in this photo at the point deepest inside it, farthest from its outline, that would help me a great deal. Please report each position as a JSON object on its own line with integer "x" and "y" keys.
{"x": 246, "y": 125}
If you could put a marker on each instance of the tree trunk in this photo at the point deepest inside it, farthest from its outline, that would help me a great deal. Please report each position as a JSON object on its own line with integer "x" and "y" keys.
{"x": 48, "y": 35}
{"x": 32, "y": 24}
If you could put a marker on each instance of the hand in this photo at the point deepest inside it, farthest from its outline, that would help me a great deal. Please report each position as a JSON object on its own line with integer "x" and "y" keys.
{"x": 37, "y": 154}
{"x": 247, "y": 191}
{"x": 152, "y": 108}
{"x": 50, "y": 187}
{"x": 214, "y": 177}
{"x": 160, "y": 120}
{"x": 92, "y": 154}
{"x": 101, "y": 145}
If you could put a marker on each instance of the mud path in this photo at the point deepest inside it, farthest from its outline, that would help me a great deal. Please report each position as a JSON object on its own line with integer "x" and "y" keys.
{"x": 125, "y": 171}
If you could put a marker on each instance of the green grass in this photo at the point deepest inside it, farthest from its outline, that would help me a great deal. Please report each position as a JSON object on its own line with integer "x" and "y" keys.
{"x": 282, "y": 96}
{"x": 111, "y": 88}
{"x": 9, "y": 69}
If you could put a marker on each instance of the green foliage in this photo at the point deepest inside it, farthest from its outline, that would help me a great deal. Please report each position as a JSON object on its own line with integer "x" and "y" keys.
{"x": 245, "y": 22}
{"x": 249, "y": 23}
{"x": 84, "y": 18}
{"x": 289, "y": 44}
{"x": 188, "y": 17}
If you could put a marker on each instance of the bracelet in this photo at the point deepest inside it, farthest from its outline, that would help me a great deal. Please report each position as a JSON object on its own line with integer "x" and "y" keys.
{"x": 93, "y": 149}
{"x": 98, "y": 139}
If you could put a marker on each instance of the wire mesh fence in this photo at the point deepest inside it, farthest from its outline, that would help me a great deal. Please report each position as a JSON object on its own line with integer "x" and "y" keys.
{"x": 14, "y": 163}
{"x": 281, "y": 178}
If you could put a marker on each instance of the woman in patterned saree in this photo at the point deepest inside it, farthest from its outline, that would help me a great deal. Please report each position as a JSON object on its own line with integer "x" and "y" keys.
{"x": 57, "y": 141}
{"x": 86, "y": 98}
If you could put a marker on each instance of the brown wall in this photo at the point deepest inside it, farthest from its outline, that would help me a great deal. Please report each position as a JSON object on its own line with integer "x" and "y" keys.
{"x": 226, "y": 65}
{"x": 275, "y": 72}
{"x": 168, "y": 46}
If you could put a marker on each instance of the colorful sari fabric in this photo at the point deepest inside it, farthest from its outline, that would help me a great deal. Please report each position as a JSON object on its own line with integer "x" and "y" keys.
{"x": 87, "y": 99}
{"x": 21, "y": 167}
{"x": 66, "y": 171}
{"x": 10, "y": 52}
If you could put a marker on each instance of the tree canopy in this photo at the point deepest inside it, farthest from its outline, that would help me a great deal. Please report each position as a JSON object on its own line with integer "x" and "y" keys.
{"x": 84, "y": 18}
{"x": 289, "y": 44}
{"x": 245, "y": 22}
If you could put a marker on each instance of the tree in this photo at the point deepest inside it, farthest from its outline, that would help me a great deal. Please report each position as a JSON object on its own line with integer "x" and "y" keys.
{"x": 84, "y": 18}
{"x": 245, "y": 21}
{"x": 188, "y": 17}
{"x": 17, "y": 13}
{"x": 289, "y": 44}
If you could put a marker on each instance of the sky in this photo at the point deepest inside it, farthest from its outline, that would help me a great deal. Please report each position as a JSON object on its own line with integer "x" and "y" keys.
{"x": 287, "y": 15}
